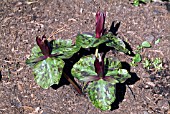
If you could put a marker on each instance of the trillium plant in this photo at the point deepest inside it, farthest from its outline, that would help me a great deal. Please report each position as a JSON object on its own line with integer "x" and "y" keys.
{"x": 98, "y": 73}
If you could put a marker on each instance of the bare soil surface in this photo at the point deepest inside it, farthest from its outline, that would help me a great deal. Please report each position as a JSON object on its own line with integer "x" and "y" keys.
{"x": 22, "y": 20}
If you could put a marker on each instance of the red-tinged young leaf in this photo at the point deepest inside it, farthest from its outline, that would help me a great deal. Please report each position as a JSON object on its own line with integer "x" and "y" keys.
{"x": 43, "y": 44}
{"x": 100, "y": 20}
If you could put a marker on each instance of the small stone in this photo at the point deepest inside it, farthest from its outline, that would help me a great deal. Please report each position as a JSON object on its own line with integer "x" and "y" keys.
{"x": 151, "y": 84}
{"x": 149, "y": 38}
{"x": 163, "y": 104}
{"x": 87, "y": 1}
{"x": 72, "y": 20}
{"x": 81, "y": 10}
{"x": 146, "y": 87}
{"x": 145, "y": 112}
{"x": 18, "y": 4}
{"x": 20, "y": 88}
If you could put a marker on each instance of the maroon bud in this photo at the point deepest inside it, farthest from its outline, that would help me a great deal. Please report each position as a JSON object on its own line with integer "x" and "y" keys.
{"x": 43, "y": 44}
{"x": 100, "y": 20}
{"x": 99, "y": 66}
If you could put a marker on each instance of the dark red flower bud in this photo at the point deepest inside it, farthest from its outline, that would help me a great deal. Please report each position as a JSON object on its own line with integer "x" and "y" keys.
{"x": 99, "y": 66}
{"x": 43, "y": 44}
{"x": 100, "y": 20}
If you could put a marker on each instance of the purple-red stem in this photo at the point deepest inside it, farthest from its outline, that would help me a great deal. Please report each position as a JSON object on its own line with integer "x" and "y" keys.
{"x": 73, "y": 83}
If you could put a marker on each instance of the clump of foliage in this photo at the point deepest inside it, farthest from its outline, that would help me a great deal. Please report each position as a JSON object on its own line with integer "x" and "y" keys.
{"x": 154, "y": 64}
{"x": 47, "y": 61}
{"x": 137, "y": 58}
{"x": 137, "y": 2}
{"x": 98, "y": 72}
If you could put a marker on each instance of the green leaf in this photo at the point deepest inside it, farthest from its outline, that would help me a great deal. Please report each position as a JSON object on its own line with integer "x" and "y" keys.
{"x": 100, "y": 40}
{"x": 123, "y": 75}
{"x": 146, "y": 63}
{"x": 157, "y": 63}
{"x": 85, "y": 41}
{"x": 137, "y": 58}
{"x": 111, "y": 66}
{"x": 64, "y": 48}
{"x": 84, "y": 67}
{"x": 101, "y": 94}
{"x": 117, "y": 43}
{"x": 157, "y": 41}
{"x": 35, "y": 53}
{"x": 136, "y": 2}
{"x": 146, "y": 44}
{"x": 48, "y": 72}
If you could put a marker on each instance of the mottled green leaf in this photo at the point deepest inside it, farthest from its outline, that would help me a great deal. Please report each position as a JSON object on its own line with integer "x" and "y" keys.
{"x": 85, "y": 41}
{"x": 111, "y": 66}
{"x": 123, "y": 75}
{"x": 48, "y": 72}
{"x": 84, "y": 67}
{"x": 117, "y": 43}
{"x": 100, "y": 40}
{"x": 113, "y": 69}
{"x": 64, "y": 48}
{"x": 101, "y": 94}
{"x": 35, "y": 53}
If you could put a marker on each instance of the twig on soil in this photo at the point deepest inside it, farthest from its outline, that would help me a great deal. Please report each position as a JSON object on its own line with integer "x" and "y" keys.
{"x": 131, "y": 92}
{"x": 157, "y": 51}
{"x": 58, "y": 31}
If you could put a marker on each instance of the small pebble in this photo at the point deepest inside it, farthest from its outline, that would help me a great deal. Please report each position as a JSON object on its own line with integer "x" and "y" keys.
{"x": 145, "y": 112}
{"x": 87, "y": 1}
{"x": 151, "y": 84}
{"x": 149, "y": 38}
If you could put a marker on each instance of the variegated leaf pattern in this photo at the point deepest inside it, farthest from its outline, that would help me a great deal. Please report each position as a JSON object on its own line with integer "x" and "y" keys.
{"x": 117, "y": 43}
{"x": 85, "y": 40}
{"x": 84, "y": 67}
{"x": 35, "y": 53}
{"x": 48, "y": 71}
{"x": 111, "y": 64}
{"x": 100, "y": 40}
{"x": 113, "y": 69}
{"x": 65, "y": 48}
{"x": 101, "y": 94}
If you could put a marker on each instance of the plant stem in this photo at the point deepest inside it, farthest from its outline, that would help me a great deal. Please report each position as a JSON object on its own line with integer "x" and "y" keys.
{"x": 96, "y": 52}
{"x": 73, "y": 83}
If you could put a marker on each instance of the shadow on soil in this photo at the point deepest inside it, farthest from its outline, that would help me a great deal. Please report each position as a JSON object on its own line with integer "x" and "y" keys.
{"x": 0, "y": 76}
{"x": 168, "y": 6}
{"x": 114, "y": 28}
{"x": 121, "y": 88}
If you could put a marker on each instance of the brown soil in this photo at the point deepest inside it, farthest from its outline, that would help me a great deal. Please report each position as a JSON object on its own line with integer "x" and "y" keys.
{"x": 22, "y": 20}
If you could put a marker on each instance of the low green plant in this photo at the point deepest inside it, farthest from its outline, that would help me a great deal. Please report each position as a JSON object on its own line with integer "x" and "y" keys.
{"x": 153, "y": 64}
{"x": 157, "y": 41}
{"x": 149, "y": 64}
{"x": 137, "y": 58}
{"x": 99, "y": 73}
{"x": 137, "y": 2}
